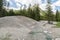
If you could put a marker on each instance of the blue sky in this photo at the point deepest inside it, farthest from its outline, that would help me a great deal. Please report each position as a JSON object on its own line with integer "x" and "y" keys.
{"x": 16, "y": 4}
{"x": 52, "y": 1}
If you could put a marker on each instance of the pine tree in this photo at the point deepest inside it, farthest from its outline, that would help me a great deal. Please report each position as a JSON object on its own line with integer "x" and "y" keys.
{"x": 30, "y": 12}
{"x": 11, "y": 13}
{"x": 1, "y": 8}
{"x": 49, "y": 12}
{"x": 57, "y": 15}
{"x": 36, "y": 11}
{"x": 24, "y": 11}
{"x": 1, "y": 4}
{"x": 5, "y": 12}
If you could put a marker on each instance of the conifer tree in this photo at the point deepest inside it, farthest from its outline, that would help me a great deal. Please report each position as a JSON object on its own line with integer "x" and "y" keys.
{"x": 11, "y": 13}
{"x": 36, "y": 12}
{"x": 57, "y": 15}
{"x": 30, "y": 12}
{"x": 24, "y": 11}
{"x": 1, "y": 8}
{"x": 49, "y": 12}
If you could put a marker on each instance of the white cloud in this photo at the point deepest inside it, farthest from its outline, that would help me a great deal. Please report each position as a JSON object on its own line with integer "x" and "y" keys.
{"x": 53, "y": 8}
{"x": 24, "y": 1}
{"x": 14, "y": 8}
{"x": 8, "y": 0}
{"x": 42, "y": 6}
{"x": 57, "y": 3}
{"x": 18, "y": 5}
{"x": 27, "y": 2}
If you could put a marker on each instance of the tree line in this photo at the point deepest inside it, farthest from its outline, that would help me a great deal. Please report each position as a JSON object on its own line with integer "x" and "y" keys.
{"x": 34, "y": 12}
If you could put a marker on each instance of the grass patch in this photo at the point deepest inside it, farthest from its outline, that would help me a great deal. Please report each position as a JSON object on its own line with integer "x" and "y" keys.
{"x": 58, "y": 25}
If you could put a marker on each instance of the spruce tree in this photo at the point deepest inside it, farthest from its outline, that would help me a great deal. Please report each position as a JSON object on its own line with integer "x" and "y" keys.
{"x": 11, "y": 13}
{"x": 30, "y": 12}
{"x": 1, "y": 4}
{"x": 24, "y": 11}
{"x": 36, "y": 11}
{"x": 57, "y": 15}
{"x": 1, "y": 8}
{"x": 49, "y": 12}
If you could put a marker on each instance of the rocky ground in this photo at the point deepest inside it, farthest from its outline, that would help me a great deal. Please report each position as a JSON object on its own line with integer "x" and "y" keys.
{"x": 18, "y": 27}
{"x": 51, "y": 28}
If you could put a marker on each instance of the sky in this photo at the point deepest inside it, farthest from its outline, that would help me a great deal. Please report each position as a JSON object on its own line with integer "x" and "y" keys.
{"x": 16, "y": 4}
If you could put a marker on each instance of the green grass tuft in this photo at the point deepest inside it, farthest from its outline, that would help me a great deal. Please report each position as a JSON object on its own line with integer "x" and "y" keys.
{"x": 58, "y": 25}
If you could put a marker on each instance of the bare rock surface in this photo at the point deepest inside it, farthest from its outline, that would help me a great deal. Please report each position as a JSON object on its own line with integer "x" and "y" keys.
{"x": 16, "y": 26}
{"x": 16, "y": 21}
{"x": 54, "y": 32}
{"x": 19, "y": 27}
